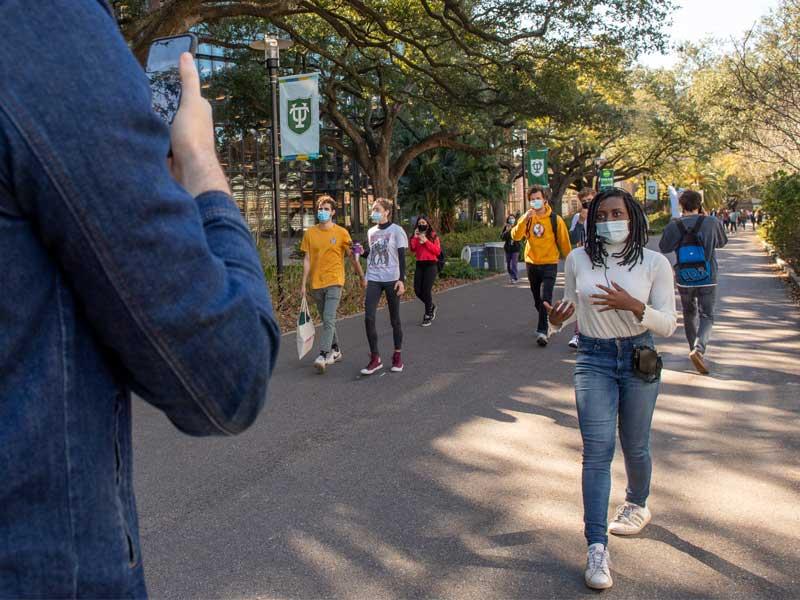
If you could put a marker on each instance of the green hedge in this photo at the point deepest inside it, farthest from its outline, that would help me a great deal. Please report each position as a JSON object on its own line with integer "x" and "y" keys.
{"x": 782, "y": 207}
{"x": 658, "y": 222}
{"x": 454, "y": 242}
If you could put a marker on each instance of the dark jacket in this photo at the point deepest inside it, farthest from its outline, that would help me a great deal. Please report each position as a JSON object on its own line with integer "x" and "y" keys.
{"x": 711, "y": 235}
{"x": 510, "y": 245}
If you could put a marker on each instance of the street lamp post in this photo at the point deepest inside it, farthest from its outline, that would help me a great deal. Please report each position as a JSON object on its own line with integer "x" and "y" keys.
{"x": 523, "y": 142}
{"x": 272, "y": 50}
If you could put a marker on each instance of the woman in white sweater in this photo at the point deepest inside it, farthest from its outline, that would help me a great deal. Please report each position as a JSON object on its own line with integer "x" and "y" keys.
{"x": 621, "y": 293}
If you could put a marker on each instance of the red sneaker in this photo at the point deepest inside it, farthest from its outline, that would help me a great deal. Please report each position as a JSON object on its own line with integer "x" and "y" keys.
{"x": 397, "y": 363}
{"x": 375, "y": 364}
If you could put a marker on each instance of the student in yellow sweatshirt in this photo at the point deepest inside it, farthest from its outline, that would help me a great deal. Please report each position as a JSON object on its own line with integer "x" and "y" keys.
{"x": 547, "y": 240}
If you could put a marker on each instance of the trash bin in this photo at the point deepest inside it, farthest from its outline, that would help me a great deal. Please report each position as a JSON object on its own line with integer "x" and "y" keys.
{"x": 496, "y": 256}
{"x": 474, "y": 254}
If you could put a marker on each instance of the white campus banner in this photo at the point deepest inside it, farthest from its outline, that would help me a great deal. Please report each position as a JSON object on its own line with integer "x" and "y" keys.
{"x": 299, "y": 103}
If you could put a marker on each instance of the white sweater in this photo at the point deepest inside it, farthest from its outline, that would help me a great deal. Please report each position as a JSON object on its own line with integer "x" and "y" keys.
{"x": 651, "y": 282}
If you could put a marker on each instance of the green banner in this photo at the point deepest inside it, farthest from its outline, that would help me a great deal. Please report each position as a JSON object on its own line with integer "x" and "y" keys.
{"x": 606, "y": 179}
{"x": 537, "y": 167}
{"x": 299, "y": 119}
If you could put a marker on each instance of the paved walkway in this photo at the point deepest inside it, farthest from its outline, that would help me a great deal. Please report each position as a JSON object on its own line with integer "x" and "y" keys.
{"x": 460, "y": 478}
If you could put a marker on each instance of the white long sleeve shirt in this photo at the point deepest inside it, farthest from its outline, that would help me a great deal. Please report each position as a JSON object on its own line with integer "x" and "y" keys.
{"x": 651, "y": 282}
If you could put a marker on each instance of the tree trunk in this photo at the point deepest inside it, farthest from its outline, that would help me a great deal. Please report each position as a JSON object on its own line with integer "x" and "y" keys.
{"x": 498, "y": 210}
{"x": 447, "y": 220}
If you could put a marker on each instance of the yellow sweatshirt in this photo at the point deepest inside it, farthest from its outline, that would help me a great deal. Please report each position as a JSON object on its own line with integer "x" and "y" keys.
{"x": 543, "y": 247}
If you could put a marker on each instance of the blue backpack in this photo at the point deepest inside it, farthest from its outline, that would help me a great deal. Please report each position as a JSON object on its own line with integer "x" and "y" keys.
{"x": 692, "y": 269}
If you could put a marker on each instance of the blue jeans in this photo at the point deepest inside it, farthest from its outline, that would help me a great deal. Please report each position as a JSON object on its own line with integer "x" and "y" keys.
{"x": 607, "y": 391}
{"x": 512, "y": 258}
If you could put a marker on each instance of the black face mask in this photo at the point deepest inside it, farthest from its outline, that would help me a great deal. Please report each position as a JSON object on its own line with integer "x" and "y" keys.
{"x": 422, "y": 228}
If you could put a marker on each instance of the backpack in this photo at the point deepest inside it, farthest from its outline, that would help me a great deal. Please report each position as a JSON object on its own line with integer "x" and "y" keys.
{"x": 693, "y": 268}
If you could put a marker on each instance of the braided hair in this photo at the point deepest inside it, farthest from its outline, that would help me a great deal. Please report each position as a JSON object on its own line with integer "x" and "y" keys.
{"x": 633, "y": 252}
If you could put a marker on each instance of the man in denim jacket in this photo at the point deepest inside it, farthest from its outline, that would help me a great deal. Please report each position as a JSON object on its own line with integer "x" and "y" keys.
{"x": 118, "y": 276}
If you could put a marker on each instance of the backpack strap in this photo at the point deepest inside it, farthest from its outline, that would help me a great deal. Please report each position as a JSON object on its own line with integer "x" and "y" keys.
{"x": 681, "y": 227}
{"x": 696, "y": 228}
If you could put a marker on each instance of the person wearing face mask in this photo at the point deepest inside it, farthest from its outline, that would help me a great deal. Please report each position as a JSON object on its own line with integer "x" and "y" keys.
{"x": 386, "y": 273}
{"x": 511, "y": 248}
{"x": 325, "y": 246}
{"x": 426, "y": 248}
{"x": 577, "y": 235}
{"x": 622, "y": 293}
{"x": 547, "y": 240}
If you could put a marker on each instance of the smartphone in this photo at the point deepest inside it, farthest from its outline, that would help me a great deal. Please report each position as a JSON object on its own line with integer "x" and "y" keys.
{"x": 162, "y": 70}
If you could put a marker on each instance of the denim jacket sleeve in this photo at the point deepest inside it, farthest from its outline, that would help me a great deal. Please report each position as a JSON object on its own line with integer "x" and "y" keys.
{"x": 172, "y": 285}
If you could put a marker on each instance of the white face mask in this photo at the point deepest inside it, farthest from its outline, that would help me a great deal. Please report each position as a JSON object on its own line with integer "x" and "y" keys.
{"x": 614, "y": 232}
{"x": 537, "y": 204}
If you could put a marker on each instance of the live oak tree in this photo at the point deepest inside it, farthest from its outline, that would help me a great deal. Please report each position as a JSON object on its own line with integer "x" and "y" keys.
{"x": 447, "y": 68}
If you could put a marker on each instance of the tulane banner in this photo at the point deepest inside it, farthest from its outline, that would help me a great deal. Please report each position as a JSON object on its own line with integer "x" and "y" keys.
{"x": 299, "y": 96}
{"x": 537, "y": 167}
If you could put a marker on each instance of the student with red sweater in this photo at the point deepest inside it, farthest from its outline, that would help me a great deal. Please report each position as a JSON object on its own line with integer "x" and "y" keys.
{"x": 426, "y": 248}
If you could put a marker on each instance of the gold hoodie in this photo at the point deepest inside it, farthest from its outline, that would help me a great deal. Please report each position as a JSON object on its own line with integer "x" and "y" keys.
{"x": 543, "y": 247}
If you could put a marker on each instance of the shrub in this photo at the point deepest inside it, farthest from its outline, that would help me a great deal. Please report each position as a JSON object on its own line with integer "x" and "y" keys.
{"x": 782, "y": 208}
{"x": 454, "y": 242}
{"x": 459, "y": 269}
{"x": 658, "y": 222}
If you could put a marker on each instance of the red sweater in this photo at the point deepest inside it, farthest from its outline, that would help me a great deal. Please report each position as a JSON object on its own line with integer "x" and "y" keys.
{"x": 428, "y": 251}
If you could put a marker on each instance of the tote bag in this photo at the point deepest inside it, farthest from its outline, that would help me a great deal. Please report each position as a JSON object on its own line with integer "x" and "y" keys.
{"x": 305, "y": 330}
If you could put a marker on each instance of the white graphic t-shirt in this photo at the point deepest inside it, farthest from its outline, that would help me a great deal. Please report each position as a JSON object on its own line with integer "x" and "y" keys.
{"x": 384, "y": 263}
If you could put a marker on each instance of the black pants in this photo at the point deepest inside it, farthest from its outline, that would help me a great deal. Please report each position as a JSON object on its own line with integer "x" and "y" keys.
{"x": 374, "y": 291}
{"x": 424, "y": 277}
{"x": 542, "y": 279}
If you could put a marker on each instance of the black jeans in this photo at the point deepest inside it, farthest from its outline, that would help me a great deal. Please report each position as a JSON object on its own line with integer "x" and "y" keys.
{"x": 424, "y": 277}
{"x": 542, "y": 279}
{"x": 374, "y": 291}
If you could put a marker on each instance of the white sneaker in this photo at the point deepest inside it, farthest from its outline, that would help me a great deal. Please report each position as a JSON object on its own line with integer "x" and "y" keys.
{"x": 321, "y": 363}
{"x": 598, "y": 574}
{"x": 630, "y": 519}
{"x": 541, "y": 339}
{"x": 334, "y": 357}
{"x": 573, "y": 343}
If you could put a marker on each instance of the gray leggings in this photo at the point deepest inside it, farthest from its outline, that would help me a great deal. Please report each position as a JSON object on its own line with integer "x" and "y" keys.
{"x": 374, "y": 291}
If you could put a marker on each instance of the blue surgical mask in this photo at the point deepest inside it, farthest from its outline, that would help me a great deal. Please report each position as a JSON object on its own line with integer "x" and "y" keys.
{"x": 376, "y": 217}
{"x": 614, "y": 232}
{"x": 512, "y": 221}
{"x": 323, "y": 216}
{"x": 537, "y": 204}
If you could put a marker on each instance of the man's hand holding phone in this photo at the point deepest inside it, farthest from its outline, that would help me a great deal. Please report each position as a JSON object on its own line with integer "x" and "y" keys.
{"x": 194, "y": 162}
{"x": 560, "y": 312}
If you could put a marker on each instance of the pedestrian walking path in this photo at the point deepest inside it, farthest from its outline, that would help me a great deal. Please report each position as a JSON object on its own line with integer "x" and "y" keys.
{"x": 460, "y": 478}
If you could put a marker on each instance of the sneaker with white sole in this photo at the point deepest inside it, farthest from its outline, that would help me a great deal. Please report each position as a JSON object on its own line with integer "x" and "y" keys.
{"x": 598, "y": 572}
{"x": 573, "y": 342}
{"x": 541, "y": 339}
{"x": 433, "y": 312}
{"x": 397, "y": 363}
{"x": 426, "y": 321}
{"x": 321, "y": 363}
{"x": 335, "y": 356}
{"x": 375, "y": 364}
{"x": 630, "y": 519}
